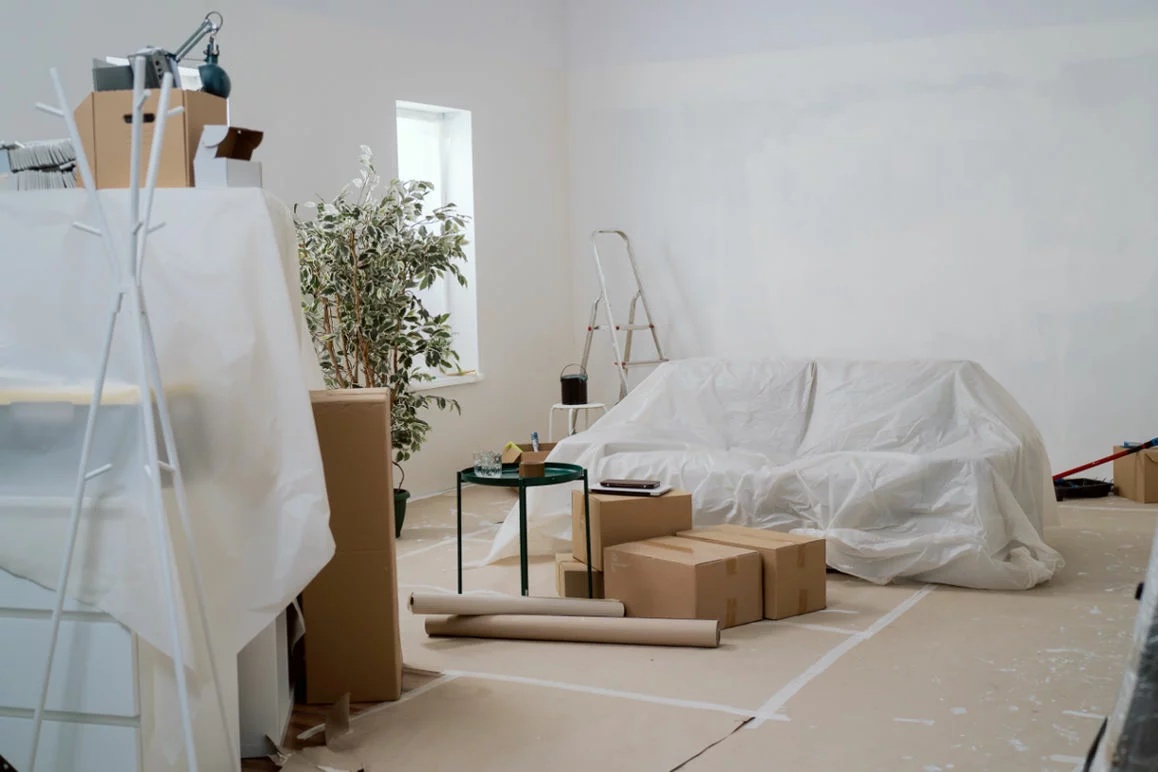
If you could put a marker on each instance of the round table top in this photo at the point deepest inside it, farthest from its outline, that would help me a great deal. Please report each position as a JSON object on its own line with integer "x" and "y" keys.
{"x": 583, "y": 406}
{"x": 553, "y": 473}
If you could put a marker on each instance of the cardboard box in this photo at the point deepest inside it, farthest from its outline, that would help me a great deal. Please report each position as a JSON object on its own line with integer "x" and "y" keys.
{"x": 619, "y": 519}
{"x": 674, "y": 578}
{"x": 571, "y": 578}
{"x": 223, "y": 158}
{"x": 104, "y": 120}
{"x": 1136, "y": 476}
{"x": 524, "y": 452}
{"x": 795, "y": 573}
{"x": 532, "y": 468}
{"x": 352, "y": 642}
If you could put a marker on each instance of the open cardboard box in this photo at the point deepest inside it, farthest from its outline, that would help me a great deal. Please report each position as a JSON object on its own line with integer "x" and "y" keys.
{"x": 530, "y": 461}
{"x": 104, "y": 120}
{"x": 222, "y": 159}
{"x": 524, "y": 453}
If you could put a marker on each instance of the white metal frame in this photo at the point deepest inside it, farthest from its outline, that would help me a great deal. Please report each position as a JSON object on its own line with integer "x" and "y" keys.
{"x": 571, "y": 416}
{"x": 127, "y": 264}
{"x": 623, "y": 360}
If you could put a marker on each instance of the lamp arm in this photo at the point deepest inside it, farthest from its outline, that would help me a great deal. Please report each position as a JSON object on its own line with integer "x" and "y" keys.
{"x": 208, "y": 26}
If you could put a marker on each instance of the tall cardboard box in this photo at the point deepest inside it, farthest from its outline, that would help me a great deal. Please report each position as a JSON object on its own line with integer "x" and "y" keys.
{"x": 619, "y": 519}
{"x": 104, "y": 120}
{"x": 795, "y": 571}
{"x": 674, "y": 578}
{"x": 352, "y": 642}
{"x": 571, "y": 578}
{"x": 1136, "y": 476}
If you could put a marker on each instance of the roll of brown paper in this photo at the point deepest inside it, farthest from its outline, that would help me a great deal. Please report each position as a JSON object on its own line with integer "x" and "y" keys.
{"x": 470, "y": 605}
{"x": 704, "y": 633}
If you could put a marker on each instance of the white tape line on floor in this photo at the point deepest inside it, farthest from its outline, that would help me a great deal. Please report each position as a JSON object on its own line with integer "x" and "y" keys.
{"x": 818, "y": 628}
{"x": 638, "y": 697}
{"x": 777, "y": 700}
{"x": 447, "y": 540}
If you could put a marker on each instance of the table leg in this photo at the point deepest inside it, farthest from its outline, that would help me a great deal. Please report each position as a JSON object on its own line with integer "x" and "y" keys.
{"x": 587, "y": 525}
{"x": 458, "y": 476}
{"x": 523, "y": 539}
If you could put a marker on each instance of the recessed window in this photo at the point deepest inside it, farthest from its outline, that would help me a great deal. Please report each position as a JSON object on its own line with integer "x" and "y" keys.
{"x": 434, "y": 145}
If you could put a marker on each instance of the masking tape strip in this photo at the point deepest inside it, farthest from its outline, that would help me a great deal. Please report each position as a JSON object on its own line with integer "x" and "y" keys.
{"x": 774, "y": 703}
{"x": 636, "y": 696}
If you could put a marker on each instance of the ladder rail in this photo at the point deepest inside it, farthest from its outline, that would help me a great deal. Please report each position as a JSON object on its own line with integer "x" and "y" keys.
{"x": 623, "y": 359}
{"x": 591, "y": 327}
{"x": 619, "y": 368}
{"x": 642, "y": 296}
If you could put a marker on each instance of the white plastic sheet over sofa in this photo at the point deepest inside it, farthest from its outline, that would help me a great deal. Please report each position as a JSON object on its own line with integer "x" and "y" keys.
{"x": 925, "y": 470}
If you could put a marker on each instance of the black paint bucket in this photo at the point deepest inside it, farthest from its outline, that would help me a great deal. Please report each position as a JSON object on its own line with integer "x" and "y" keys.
{"x": 573, "y": 386}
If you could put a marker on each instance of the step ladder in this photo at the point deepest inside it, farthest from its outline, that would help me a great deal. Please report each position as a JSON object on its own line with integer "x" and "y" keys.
{"x": 623, "y": 361}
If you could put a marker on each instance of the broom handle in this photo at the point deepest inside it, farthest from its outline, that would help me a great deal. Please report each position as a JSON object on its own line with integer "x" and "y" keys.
{"x": 1105, "y": 460}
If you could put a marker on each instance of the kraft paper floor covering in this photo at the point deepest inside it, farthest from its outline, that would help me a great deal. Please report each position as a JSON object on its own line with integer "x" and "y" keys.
{"x": 908, "y": 677}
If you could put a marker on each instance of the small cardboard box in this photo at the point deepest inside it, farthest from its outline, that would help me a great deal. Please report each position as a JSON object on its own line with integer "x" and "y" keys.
{"x": 524, "y": 452}
{"x": 104, "y": 120}
{"x": 223, "y": 158}
{"x": 674, "y": 578}
{"x": 571, "y": 578}
{"x": 352, "y": 641}
{"x": 1136, "y": 476}
{"x": 795, "y": 573}
{"x": 619, "y": 519}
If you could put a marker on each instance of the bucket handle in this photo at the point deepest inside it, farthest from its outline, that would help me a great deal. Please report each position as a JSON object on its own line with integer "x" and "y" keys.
{"x": 582, "y": 369}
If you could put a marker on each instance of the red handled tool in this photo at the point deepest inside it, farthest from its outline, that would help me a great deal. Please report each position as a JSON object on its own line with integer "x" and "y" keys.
{"x": 1105, "y": 460}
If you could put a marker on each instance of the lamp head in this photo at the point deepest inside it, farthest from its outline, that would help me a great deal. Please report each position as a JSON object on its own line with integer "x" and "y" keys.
{"x": 214, "y": 80}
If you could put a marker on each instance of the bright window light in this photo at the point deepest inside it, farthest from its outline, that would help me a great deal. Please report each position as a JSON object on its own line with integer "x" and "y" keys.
{"x": 434, "y": 145}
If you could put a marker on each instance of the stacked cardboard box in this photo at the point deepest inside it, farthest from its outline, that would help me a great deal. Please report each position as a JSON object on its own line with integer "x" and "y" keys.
{"x": 616, "y": 520}
{"x": 1136, "y": 476}
{"x": 673, "y": 578}
{"x": 571, "y": 578}
{"x": 794, "y": 566}
{"x": 643, "y": 555}
{"x": 351, "y": 607}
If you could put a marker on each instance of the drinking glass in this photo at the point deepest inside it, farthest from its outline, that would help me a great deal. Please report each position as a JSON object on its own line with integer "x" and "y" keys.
{"x": 488, "y": 463}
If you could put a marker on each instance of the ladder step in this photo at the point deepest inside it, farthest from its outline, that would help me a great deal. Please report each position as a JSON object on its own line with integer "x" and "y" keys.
{"x": 633, "y": 326}
{"x": 645, "y": 362}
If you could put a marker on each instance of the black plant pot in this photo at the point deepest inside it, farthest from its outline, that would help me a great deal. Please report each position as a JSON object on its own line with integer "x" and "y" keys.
{"x": 400, "y": 497}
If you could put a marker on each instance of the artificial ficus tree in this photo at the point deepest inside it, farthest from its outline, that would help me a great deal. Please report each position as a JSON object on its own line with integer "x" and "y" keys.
{"x": 364, "y": 258}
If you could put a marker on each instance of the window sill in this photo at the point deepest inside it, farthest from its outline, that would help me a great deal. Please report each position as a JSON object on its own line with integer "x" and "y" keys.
{"x": 447, "y": 381}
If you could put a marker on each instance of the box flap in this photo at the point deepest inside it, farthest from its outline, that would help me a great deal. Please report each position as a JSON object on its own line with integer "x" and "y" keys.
{"x": 767, "y": 538}
{"x": 748, "y": 537}
{"x": 685, "y": 551}
{"x": 514, "y": 451}
{"x": 353, "y": 428}
{"x": 227, "y": 142}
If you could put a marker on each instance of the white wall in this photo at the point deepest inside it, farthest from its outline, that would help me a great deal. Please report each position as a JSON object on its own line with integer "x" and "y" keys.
{"x": 886, "y": 180}
{"x": 321, "y": 78}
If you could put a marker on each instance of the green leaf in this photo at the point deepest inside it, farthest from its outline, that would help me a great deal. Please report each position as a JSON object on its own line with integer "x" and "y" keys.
{"x": 400, "y": 250}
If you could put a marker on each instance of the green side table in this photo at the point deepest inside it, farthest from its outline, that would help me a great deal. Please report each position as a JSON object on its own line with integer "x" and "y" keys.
{"x": 554, "y": 474}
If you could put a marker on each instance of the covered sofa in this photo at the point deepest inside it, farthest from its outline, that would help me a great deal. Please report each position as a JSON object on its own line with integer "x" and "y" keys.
{"x": 926, "y": 470}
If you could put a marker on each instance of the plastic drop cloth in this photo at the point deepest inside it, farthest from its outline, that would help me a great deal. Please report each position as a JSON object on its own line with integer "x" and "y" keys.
{"x": 222, "y": 291}
{"x": 925, "y": 470}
